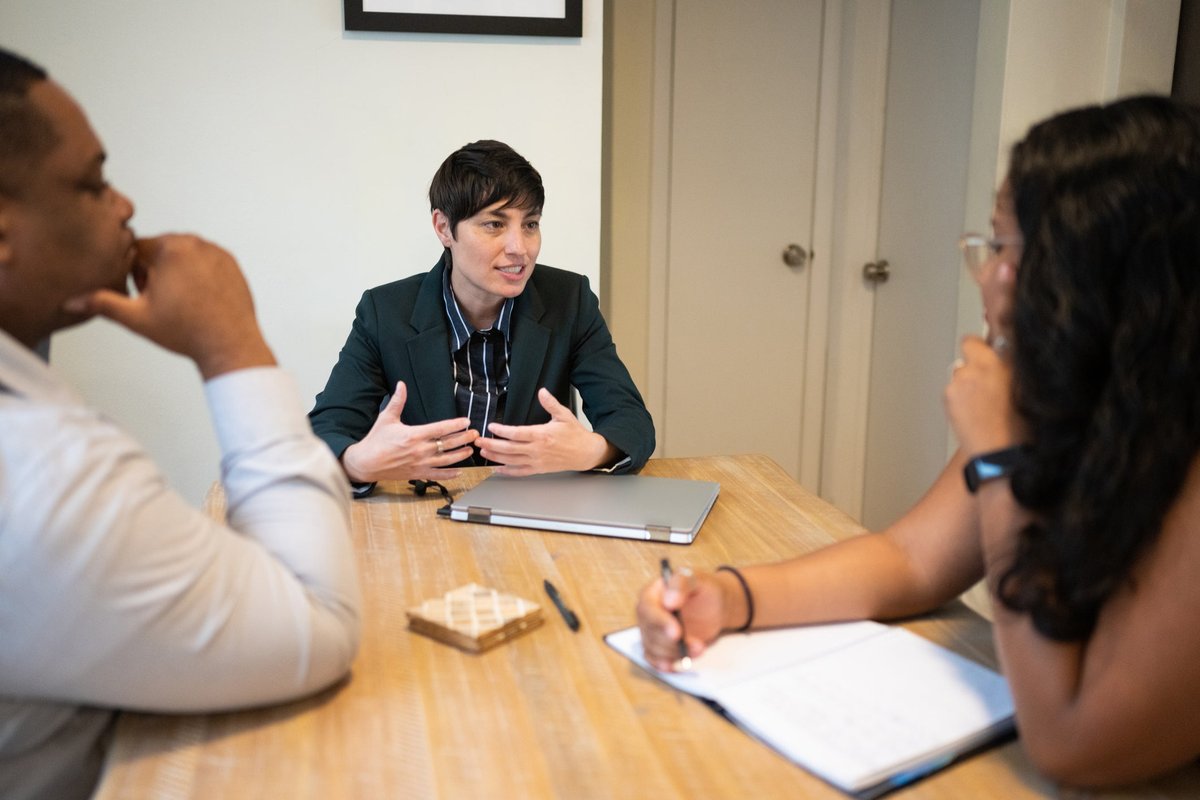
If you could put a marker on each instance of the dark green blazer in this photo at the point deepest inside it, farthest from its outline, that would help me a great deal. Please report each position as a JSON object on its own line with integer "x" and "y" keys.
{"x": 559, "y": 340}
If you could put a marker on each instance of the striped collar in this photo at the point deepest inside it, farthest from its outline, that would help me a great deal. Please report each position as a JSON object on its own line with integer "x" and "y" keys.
{"x": 460, "y": 329}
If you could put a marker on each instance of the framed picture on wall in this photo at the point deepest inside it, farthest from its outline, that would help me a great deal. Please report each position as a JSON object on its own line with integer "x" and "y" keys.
{"x": 499, "y": 17}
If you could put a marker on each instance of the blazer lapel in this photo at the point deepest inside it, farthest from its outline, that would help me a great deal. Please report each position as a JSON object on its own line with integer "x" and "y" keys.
{"x": 429, "y": 351}
{"x": 530, "y": 340}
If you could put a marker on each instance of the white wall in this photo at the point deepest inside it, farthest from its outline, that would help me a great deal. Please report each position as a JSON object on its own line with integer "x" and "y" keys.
{"x": 306, "y": 151}
{"x": 1039, "y": 57}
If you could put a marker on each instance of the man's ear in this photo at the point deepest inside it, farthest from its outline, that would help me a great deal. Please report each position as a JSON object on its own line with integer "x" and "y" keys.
{"x": 441, "y": 226}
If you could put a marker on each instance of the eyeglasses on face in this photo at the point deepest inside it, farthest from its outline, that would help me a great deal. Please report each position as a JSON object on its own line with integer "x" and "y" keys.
{"x": 978, "y": 249}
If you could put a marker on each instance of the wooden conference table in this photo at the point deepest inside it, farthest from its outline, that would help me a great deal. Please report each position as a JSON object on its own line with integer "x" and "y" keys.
{"x": 551, "y": 713}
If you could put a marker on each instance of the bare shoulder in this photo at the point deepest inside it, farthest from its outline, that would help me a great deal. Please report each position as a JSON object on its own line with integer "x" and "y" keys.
{"x": 1147, "y": 643}
{"x": 1166, "y": 572}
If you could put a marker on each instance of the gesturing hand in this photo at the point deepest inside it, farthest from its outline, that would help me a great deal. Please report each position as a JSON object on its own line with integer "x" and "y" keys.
{"x": 560, "y": 444}
{"x": 392, "y": 450}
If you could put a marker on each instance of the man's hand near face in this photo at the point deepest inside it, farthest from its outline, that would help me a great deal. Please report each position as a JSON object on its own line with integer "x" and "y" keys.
{"x": 191, "y": 299}
{"x": 561, "y": 444}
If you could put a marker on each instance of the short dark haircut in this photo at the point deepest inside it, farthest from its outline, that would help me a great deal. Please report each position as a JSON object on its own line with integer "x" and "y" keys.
{"x": 480, "y": 174}
{"x": 26, "y": 135}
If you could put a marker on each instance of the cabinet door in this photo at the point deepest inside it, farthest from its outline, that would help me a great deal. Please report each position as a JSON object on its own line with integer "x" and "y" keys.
{"x": 743, "y": 147}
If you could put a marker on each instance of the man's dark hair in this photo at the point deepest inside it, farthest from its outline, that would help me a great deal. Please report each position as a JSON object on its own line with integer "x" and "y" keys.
{"x": 480, "y": 174}
{"x": 26, "y": 135}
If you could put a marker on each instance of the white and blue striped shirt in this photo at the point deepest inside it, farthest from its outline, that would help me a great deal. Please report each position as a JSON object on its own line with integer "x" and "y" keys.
{"x": 480, "y": 362}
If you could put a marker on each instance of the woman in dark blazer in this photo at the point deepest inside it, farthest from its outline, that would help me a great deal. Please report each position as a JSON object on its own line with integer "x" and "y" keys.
{"x": 479, "y": 354}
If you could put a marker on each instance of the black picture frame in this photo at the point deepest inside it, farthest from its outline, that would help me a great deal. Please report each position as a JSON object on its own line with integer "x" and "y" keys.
{"x": 568, "y": 25}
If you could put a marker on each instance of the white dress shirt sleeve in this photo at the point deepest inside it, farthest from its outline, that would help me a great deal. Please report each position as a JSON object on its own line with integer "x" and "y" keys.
{"x": 116, "y": 592}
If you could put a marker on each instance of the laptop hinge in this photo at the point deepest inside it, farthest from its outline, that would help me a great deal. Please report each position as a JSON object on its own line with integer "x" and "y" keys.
{"x": 479, "y": 514}
{"x": 659, "y": 533}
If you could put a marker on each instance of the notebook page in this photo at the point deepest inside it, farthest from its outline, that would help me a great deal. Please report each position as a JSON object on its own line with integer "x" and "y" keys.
{"x": 737, "y": 657}
{"x": 859, "y": 714}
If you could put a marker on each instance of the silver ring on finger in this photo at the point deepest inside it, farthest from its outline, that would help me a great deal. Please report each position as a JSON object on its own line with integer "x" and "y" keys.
{"x": 440, "y": 446}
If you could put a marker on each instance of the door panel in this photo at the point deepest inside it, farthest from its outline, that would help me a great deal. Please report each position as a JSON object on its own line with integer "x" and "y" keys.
{"x": 931, "y": 82}
{"x": 744, "y": 121}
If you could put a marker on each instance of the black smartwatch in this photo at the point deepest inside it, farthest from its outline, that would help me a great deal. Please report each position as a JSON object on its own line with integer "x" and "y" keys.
{"x": 990, "y": 466}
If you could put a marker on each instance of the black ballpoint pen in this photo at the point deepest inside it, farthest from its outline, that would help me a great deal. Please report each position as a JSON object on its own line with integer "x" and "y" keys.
{"x": 685, "y": 661}
{"x": 567, "y": 614}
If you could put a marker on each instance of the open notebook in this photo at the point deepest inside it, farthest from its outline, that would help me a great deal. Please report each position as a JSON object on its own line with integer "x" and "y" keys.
{"x": 628, "y": 506}
{"x": 866, "y": 707}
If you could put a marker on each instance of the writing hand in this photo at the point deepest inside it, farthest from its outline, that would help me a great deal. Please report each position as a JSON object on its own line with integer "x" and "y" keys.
{"x": 192, "y": 299}
{"x": 698, "y": 597}
{"x": 563, "y": 443}
{"x": 392, "y": 450}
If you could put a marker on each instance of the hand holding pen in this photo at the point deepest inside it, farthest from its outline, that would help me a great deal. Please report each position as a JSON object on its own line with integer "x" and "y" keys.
{"x": 662, "y": 605}
{"x": 684, "y": 662}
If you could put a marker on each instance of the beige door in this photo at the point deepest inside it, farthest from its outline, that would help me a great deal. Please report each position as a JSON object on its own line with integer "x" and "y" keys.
{"x": 927, "y": 132}
{"x": 743, "y": 144}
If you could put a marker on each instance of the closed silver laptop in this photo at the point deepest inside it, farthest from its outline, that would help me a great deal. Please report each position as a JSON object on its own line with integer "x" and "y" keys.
{"x": 629, "y": 506}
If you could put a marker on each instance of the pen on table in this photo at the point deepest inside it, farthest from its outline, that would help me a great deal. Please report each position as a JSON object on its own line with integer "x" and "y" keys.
{"x": 685, "y": 661}
{"x": 567, "y": 614}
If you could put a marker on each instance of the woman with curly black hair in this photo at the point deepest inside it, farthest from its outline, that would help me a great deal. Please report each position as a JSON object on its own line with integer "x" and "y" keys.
{"x": 1075, "y": 492}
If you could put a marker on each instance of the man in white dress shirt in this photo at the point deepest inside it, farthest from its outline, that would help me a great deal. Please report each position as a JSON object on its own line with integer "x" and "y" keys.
{"x": 114, "y": 592}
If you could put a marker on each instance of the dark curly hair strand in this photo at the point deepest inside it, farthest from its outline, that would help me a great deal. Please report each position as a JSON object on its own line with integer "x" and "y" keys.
{"x": 1106, "y": 330}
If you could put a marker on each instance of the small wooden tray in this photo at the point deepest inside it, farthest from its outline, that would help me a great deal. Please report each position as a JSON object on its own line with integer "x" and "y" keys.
{"x": 474, "y": 618}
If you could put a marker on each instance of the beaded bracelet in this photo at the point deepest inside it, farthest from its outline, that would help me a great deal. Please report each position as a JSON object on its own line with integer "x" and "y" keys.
{"x": 749, "y": 597}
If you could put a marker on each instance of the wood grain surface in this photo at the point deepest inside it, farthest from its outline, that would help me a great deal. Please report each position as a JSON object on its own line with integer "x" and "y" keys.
{"x": 551, "y": 713}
